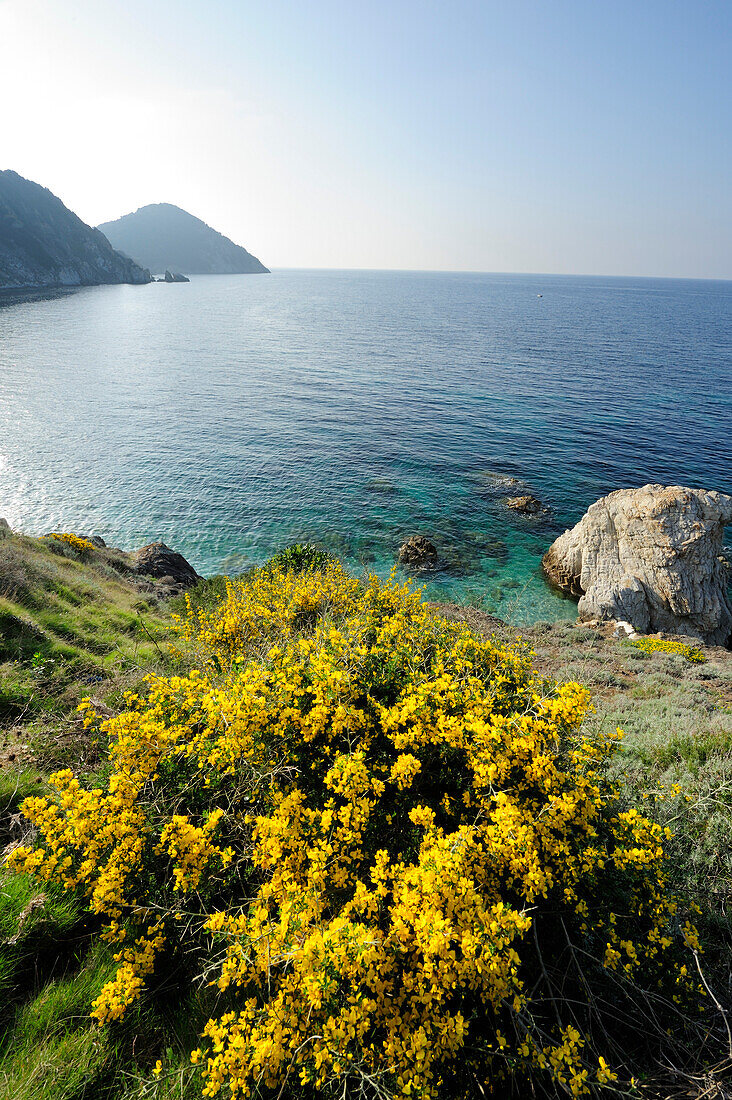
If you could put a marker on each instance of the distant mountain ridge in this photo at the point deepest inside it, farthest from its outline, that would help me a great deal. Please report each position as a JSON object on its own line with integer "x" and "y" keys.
{"x": 161, "y": 236}
{"x": 43, "y": 243}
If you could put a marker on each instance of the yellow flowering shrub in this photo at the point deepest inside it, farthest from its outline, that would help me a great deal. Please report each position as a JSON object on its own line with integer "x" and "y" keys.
{"x": 382, "y": 841}
{"x": 81, "y": 545}
{"x": 661, "y": 645}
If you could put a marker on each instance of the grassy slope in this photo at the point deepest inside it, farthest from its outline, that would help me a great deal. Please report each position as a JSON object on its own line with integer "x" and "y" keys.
{"x": 677, "y": 719}
{"x": 72, "y": 626}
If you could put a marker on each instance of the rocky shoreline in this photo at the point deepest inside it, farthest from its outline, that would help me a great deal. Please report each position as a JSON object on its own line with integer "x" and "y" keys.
{"x": 641, "y": 562}
{"x": 644, "y": 561}
{"x": 154, "y": 567}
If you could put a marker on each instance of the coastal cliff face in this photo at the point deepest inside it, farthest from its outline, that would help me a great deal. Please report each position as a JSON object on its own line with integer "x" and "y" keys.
{"x": 162, "y": 236}
{"x": 42, "y": 243}
{"x": 651, "y": 557}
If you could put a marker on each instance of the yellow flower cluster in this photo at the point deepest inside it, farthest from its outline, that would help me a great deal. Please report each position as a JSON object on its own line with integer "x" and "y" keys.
{"x": 74, "y": 541}
{"x": 659, "y": 645}
{"x": 190, "y": 849}
{"x": 386, "y": 825}
{"x": 138, "y": 962}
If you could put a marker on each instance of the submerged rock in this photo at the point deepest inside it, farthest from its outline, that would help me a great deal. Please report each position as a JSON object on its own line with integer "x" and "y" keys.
{"x": 496, "y": 549}
{"x": 526, "y": 505}
{"x": 381, "y": 485}
{"x": 159, "y": 561}
{"x": 418, "y": 552}
{"x": 651, "y": 557}
{"x": 498, "y": 480}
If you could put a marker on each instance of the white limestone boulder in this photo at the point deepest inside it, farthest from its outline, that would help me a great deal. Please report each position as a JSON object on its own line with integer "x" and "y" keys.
{"x": 653, "y": 558}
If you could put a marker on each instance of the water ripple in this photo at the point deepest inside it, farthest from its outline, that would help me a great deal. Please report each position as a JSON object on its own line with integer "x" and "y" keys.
{"x": 230, "y": 416}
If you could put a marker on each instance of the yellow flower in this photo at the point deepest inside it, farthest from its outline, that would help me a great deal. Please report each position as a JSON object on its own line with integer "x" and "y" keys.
{"x": 350, "y": 818}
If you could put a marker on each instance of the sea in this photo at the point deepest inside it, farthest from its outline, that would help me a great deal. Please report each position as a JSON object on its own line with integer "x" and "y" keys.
{"x": 234, "y": 415}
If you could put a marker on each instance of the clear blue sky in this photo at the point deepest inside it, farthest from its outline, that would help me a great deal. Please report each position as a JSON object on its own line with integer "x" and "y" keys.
{"x": 556, "y": 136}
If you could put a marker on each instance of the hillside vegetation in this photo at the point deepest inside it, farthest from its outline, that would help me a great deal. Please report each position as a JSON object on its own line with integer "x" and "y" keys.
{"x": 74, "y": 621}
{"x": 42, "y": 243}
{"x": 163, "y": 236}
{"x": 317, "y": 838}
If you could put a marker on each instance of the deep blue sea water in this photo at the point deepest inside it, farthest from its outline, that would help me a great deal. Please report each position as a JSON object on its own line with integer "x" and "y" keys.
{"x": 233, "y": 415}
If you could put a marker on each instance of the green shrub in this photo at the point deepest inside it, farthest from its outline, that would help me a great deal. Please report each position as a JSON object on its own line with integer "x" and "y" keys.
{"x": 386, "y": 847}
{"x": 298, "y": 558}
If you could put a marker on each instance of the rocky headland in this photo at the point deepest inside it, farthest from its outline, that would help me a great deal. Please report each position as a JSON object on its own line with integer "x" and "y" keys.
{"x": 44, "y": 244}
{"x": 163, "y": 237}
{"x": 165, "y": 565}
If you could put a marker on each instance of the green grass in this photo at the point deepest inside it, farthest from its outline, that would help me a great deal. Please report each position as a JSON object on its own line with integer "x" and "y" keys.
{"x": 15, "y": 786}
{"x": 67, "y": 1066}
{"x": 69, "y": 628}
{"x": 52, "y": 1049}
{"x": 71, "y": 625}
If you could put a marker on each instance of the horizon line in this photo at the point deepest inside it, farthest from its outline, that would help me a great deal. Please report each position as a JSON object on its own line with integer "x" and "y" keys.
{"x": 533, "y": 274}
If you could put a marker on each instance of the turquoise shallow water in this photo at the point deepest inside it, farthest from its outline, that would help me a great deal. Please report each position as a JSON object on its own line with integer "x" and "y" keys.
{"x": 233, "y": 415}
